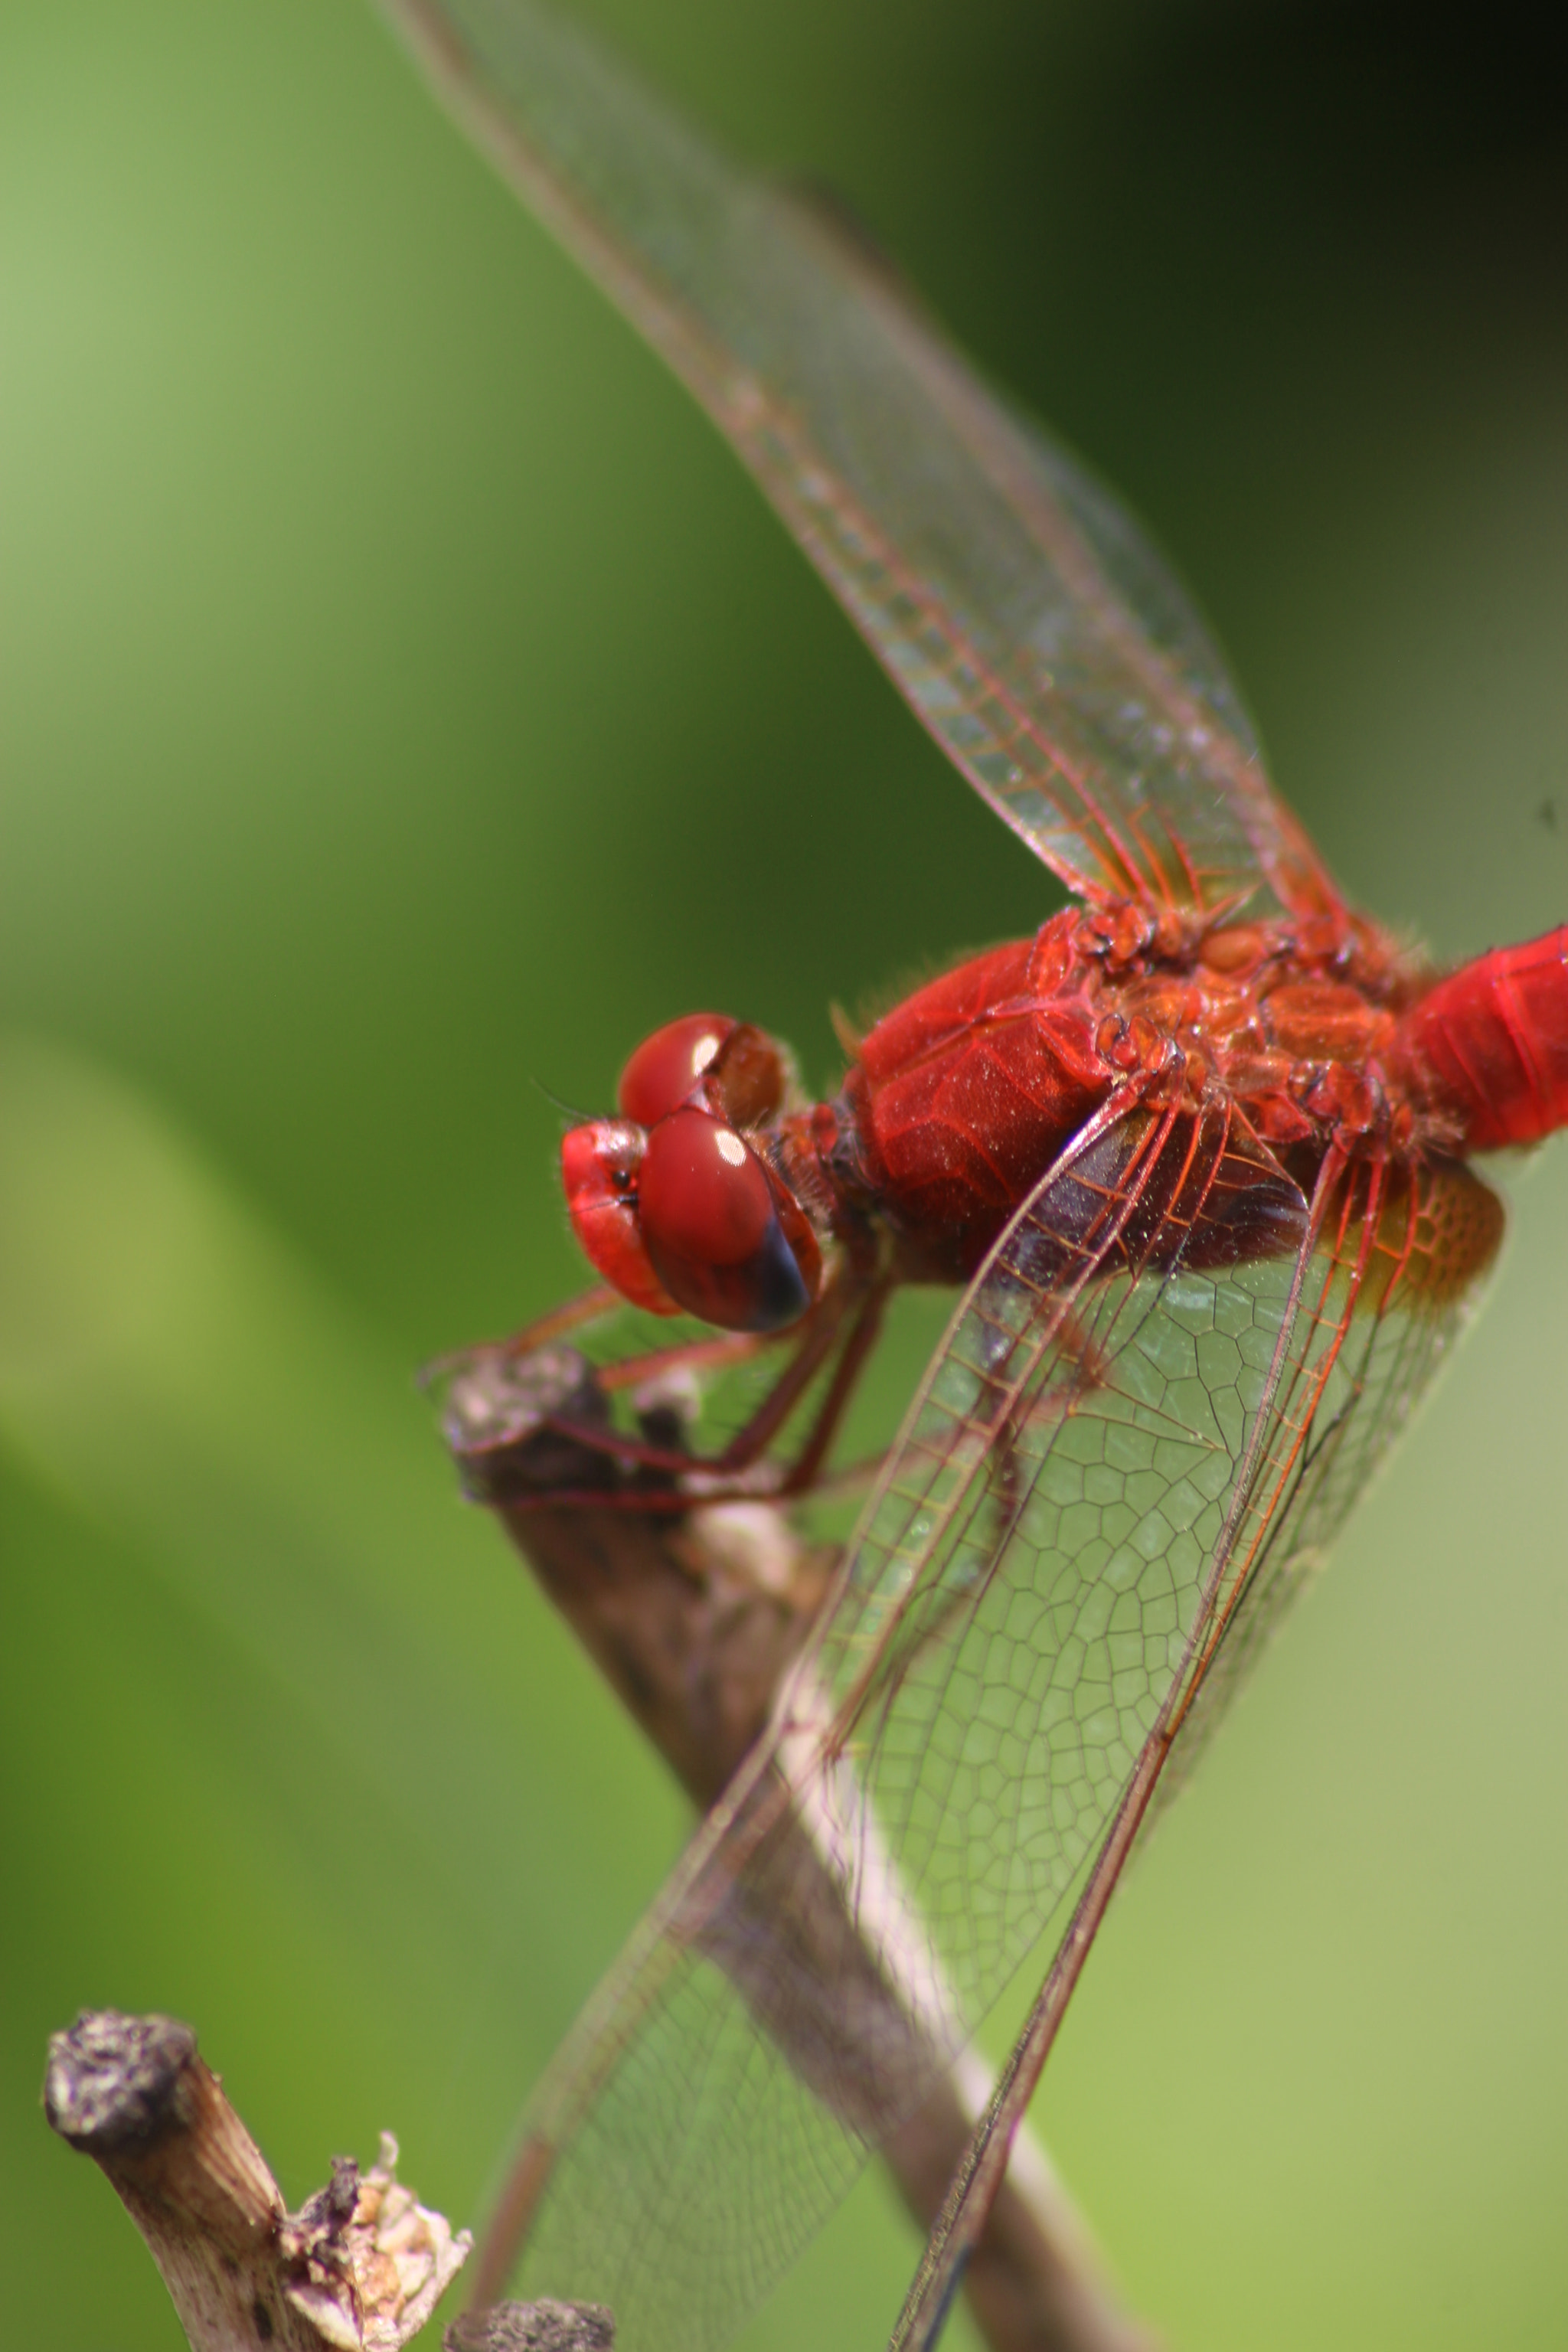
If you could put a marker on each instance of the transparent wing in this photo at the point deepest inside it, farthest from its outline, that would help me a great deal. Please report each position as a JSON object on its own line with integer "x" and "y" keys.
{"x": 1014, "y": 605}
{"x": 1152, "y": 1410}
{"x": 1393, "y": 1270}
{"x": 1383, "y": 1305}
{"x": 1025, "y": 1589}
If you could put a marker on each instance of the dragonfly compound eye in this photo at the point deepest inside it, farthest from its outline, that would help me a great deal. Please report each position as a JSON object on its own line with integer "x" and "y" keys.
{"x": 728, "y": 1067}
{"x": 599, "y": 1167}
{"x": 712, "y": 1227}
{"x": 666, "y": 1067}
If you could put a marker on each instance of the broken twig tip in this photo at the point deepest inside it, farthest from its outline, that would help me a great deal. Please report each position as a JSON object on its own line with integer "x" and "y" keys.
{"x": 532, "y": 2327}
{"x": 360, "y": 2268}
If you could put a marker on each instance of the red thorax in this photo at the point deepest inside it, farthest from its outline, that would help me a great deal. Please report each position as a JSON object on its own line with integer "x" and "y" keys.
{"x": 721, "y": 1193}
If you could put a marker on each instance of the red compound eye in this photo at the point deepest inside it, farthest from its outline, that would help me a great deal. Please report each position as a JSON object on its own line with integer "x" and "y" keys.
{"x": 666, "y": 1066}
{"x": 711, "y": 1228}
{"x": 599, "y": 1165}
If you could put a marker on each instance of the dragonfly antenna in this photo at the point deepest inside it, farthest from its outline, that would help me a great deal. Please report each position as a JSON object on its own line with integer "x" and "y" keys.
{"x": 568, "y": 1111}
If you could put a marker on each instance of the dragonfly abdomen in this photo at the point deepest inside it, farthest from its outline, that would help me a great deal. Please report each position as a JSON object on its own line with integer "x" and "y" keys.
{"x": 1489, "y": 1045}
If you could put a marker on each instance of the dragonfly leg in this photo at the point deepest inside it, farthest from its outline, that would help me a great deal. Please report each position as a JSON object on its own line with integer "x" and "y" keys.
{"x": 532, "y": 1421}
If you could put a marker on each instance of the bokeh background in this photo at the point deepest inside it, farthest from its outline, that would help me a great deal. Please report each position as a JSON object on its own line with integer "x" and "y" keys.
{"x": 405, "y": 700}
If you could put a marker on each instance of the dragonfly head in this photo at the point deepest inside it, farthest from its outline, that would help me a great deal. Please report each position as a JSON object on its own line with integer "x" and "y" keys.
{"x": 672, "y": 1202}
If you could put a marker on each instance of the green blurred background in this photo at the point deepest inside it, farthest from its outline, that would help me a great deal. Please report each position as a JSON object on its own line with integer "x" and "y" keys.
{"x": 405, "y": 699}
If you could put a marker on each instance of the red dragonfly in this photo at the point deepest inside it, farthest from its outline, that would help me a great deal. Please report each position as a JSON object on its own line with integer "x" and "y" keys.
{"x": 1195, "y": 1152}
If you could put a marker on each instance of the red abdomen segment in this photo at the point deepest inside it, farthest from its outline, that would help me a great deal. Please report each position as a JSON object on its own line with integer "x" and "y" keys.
{"x": 1490, "y": 1043}
{"x": 964, "y": 1094}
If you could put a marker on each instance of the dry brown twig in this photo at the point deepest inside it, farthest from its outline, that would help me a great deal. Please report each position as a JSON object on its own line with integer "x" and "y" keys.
{"x": 360, "y": 2268}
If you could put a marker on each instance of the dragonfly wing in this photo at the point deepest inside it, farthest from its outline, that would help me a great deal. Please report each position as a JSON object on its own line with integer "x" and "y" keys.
{"x": 1015, "y": 606}
{"x": 1393, "y": 1270}
{"x": 1017, "y": 1610}
{"x": 1371, "y": 1343}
